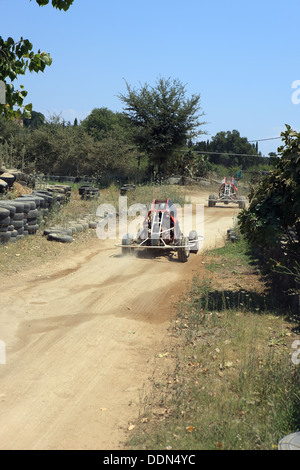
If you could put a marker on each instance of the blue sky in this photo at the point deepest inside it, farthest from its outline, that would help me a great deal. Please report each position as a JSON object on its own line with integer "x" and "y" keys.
{"x": 240, "y": 56}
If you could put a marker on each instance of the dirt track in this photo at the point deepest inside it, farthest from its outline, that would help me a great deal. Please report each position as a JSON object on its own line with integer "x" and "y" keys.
{"x": 82, "y": 339}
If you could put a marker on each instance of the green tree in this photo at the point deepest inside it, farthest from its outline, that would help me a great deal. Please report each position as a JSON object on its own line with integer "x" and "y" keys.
{"x": 99, "y": 122}
{"x": 36, "y": 120}
{"x": 230, "y": 149}
{"x": 16, "y": 57}
{"x": 272, "y": 221}
{"x": 162, "y": 118}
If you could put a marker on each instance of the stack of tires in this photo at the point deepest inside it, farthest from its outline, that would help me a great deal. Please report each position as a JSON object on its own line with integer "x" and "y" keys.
{"x": 32, "y": 216}
{"x": 125, "y": 188}
{"x": 8, "y": 178}
{"x": 5, "y": 222}
{"x": 16, "y": 226}
{"x": 88, "y": 192}
{"x": 19, "y": 218}
{"x": 3, "y": 186}
{"x": 61, "y": 193}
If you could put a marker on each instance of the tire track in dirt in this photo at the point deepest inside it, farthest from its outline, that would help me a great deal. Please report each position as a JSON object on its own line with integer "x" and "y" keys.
{"x": 82, "y": 341}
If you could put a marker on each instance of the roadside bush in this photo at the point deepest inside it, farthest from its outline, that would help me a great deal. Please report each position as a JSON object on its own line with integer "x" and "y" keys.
{"x": 272, "y": 221}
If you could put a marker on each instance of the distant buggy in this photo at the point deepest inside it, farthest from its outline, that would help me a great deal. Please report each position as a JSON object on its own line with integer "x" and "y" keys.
{"x": 228, "y": 193}
{"x": 161, "y": 231}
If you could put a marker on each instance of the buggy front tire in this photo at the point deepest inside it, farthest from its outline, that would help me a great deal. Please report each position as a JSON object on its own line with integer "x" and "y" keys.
{"x": 184, "y": 252}
{"x": 211, "y": 200}
{"x": 127, "y": 240}
{"x": 193, "y": 238}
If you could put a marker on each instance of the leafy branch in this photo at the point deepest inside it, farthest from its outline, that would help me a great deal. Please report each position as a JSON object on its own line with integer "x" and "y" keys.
{"x": 16, "y": 57}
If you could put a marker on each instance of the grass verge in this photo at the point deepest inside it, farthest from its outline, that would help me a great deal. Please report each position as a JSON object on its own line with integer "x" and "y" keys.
{"x": 228, "y": 380}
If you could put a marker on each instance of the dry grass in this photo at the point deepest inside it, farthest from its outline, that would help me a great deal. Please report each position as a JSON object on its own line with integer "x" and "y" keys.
{"x": 227, "y": 380}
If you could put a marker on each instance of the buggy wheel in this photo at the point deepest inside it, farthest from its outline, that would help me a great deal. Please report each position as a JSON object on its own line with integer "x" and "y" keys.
{"x": 127, "y": 240}
{"x": 193, "y": 237}
{"x": 211, "y": 200}
{"x": 184, "y": 252}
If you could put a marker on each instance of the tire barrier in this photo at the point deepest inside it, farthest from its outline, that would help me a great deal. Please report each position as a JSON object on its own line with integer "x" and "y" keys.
{"x": 65, "y": 234}
{"x": 88, "y": 192}
{"x": 3, "y": 186}
{"x": 125, "y": 188}
{"x": 22, "y": 216}
{"x": 232, "y": 235}
{"x": 9, "y": 176}
{"x": 68, "y": 179}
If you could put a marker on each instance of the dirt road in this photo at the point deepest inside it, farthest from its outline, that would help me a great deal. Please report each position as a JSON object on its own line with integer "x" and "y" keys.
{"x": 82, "y": 339}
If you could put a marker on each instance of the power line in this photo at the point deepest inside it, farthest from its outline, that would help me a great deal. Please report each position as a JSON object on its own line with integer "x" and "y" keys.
{"x": 261, "y": 140}
{"x": 227, "y": 153}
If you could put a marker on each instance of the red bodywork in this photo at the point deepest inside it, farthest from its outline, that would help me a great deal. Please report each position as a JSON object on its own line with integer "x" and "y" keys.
{"x": 228, "y": 187}
{"x": 164, "y": 213}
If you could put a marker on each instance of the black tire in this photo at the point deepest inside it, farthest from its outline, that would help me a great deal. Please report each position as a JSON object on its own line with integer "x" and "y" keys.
{"x": 18, "y": 223}
{"x": 4, "y": 213}
{"x": 31, "y": 203}
{"x": 32, "y": 228}
{"x": 184, "y": 252}
{"x": 5, "y": 237}
{"x": 60, "y": 237}
{"x": 18, "y": 205}
{"x": 32, "y": 214}
{"x": 18, "y": 216}
{"x": 127, "y": 240}
{"x": 8, "y": 207}
{"x": 30, "y": 222}
{"x": 5, "y": 222}
{"x": 193, "y": 237}
{"x": 68, "y": 231}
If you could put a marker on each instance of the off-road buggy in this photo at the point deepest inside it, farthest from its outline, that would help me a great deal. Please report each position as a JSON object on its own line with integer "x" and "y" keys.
{"x": 161, "y": 231}
{"x": 228, "y": 193}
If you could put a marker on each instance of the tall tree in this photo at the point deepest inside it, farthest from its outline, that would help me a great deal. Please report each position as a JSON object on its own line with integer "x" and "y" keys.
{"x": 37, "y": 119}
{"x": 230, "y": 149}
{"x": 162, "y": 117}
{"x": 99, "y": 122}
{"x": 16, "y": 57}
